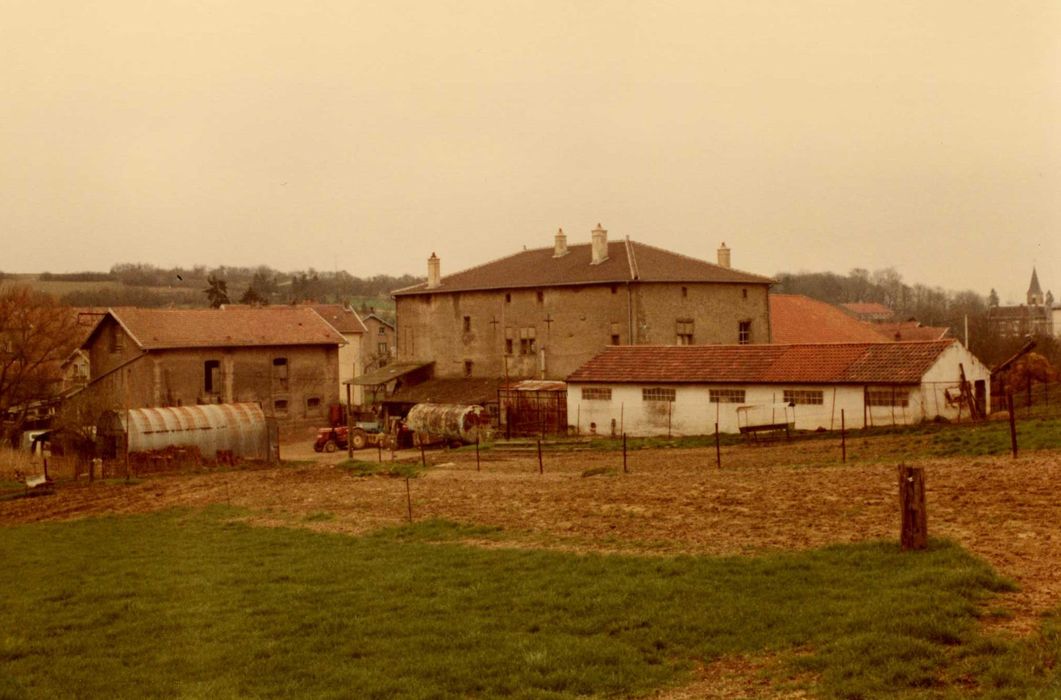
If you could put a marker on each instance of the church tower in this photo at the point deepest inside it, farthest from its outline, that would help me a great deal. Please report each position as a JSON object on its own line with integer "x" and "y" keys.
{"x": 1035, "y": 292}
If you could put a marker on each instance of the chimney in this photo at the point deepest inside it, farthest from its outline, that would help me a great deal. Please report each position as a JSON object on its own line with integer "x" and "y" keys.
{"x": 600, "y": 245}
{"x": 561, "y": 244}
{"x": 434, "y": 274}
{"x": 723, "y": 255}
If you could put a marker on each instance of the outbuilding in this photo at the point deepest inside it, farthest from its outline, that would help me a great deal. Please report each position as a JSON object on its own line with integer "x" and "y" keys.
{"x": 676, "y": 390}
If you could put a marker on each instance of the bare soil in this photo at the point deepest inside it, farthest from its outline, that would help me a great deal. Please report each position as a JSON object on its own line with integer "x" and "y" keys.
{"x": 1006, "y": 510}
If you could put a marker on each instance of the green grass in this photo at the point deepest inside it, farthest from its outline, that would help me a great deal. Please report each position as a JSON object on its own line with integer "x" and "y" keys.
{"x": 396, "y": 470}
{"x": 993, "y": 438}
{"x": 190, "y": 604}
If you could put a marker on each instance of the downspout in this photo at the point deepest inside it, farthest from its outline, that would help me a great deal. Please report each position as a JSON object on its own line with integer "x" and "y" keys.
{"x": 634, "y": 276}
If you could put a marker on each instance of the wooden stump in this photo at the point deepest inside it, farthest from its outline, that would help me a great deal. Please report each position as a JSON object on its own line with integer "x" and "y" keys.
{"x": 914, "y": 532}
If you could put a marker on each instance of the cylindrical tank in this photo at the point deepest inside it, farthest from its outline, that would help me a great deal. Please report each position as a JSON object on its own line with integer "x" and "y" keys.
{"x": 239, "y": 428}
{"x": 444, "y": 421}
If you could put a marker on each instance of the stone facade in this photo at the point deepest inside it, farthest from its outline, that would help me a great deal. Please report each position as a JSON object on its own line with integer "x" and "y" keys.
{"x": 378, "y": 345}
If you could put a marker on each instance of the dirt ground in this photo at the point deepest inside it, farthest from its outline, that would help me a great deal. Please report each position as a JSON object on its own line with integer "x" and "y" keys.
{"x": 1006, "y": 510}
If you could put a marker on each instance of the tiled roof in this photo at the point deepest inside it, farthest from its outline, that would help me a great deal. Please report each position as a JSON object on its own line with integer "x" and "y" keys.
{"x": 538, "y": 268}
{"x": 868, "y": 309}
{"x": 909, "y": 330}
{"x": 822, "y": 363}
{"x": 341, "y": 318}
{"x": 156, "y": 329}
{"x": 795, "y": 318}
{"x": 466, "y": 391}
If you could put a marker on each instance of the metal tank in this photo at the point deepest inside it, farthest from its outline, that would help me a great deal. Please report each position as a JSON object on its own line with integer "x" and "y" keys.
{"x": 239, "y": 428}
{"x": 449, "y": 422}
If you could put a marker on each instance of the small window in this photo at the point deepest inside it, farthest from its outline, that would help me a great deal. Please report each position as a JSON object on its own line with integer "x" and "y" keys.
{"x": 685, "y": 292}
{"x": 685, "y": 331}
{"x": 381, "y": 348}
{"x": 527, "y": 341}
{"x": 508, "y": 298}
{"x": 803, "y": 397}
{"x": 467, "y": 324}
{"x": 887, "y": 396}
{"x": 726, "y": 395}
{"x": 744, "y": 293}
{"x": 593, "y": 393}
{"x": 509, "y": 340}
{"x": 280, "y": 405}
{"x": 313, "y": 405}
{"x": 657, "y": 393}
{"x": 744, "y": 332}
{"x": 382, "y": 330}
{"x": 468, "y": 368}
{"x": 279, "y": 373}
{"x": 117, "y": 339}
{"x": 212, "y": 376}
{"x": 615, "y": 334}
{"x": 541, "y": 297}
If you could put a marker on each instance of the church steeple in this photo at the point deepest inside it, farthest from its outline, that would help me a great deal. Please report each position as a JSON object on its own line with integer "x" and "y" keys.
{"x": 1035, "y": 292}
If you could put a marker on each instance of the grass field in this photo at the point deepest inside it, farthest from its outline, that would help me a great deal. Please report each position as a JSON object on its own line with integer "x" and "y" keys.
{"x": 190, "y": 603}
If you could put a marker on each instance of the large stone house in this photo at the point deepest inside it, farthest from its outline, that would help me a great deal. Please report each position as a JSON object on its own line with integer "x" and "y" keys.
{"x": 1033, "y": 318}
{"x": 542, "y": 313}
{"x": 285, "y": 358}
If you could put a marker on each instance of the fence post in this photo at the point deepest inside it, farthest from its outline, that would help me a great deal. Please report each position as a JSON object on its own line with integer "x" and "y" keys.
{"x": 541, "y": 468}
{"x": 379, "y": 448}
{"x": 477, "y": 467}
{"x": 409, "y": 499}
{"x": 1012, "y": 424}
{"x": 843, "y": 438}
{"x": 625, "y": 471}
{"x": 718, "y": 448}
{"x": 423, "y": 457}
{"x": 914, "y": 529}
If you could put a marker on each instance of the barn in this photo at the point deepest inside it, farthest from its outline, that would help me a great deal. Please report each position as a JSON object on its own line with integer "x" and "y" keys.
{"x": 686, "y": 390}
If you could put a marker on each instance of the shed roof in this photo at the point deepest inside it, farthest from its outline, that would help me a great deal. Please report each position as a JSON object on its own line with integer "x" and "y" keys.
{"x": 466, "y": 391}
{"x": 158, "y": 329}
{"x": 627, "y": 261}
{"x": 795, "y": 318}
{"x": 814, "y": 363}
{"x": 909, "y": 330}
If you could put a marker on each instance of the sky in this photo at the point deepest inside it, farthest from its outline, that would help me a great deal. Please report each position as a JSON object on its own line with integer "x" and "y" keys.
{"x": 363, "y": 136}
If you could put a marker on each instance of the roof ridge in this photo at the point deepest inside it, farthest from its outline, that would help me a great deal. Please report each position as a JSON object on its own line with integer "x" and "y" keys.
{"x": 632, "y": 260}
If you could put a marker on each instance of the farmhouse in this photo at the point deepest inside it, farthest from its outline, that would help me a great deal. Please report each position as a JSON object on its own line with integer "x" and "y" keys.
{"x": 349, "y": 325}
{"x": 285, "y": 358}
{"x": 543, "y": 313}
{"x": 654, "y": 390}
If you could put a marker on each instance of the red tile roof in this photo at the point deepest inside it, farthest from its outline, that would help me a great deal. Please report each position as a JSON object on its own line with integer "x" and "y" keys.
{"x": 341, "y": 318}
{"x": 156, "y": 329}
{"x": 909, "y": 330}
{"x": 821, "y": 363}
{"x": 795, "y": 318}
{"x": 627, "y": 261}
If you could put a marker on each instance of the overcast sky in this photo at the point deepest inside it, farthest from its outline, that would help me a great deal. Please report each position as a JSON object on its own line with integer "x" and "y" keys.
{"x": 362, "y": 136}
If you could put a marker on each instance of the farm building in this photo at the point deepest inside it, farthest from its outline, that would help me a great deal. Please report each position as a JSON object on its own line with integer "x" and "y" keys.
{"x": 542, "y": 313}
{"x": 284, "y": 358}
{"x": 656, "y": 390}
{"x": 348, "y": 324}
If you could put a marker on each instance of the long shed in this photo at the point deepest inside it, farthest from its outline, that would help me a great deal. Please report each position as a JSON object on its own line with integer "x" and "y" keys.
{"x": 659, "y": 390}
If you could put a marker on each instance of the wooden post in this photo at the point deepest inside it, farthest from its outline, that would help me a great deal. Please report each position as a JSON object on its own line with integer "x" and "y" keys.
{"x": 409, "y": 499}
{"x": 1012, "y": 425}
{"x": 625, "y": 470}
{"x": 670, "y": 405}
{"x": 423, "y": 458}
{"x": 350, "y": 425}
{"x": 718, "y": 448}
{"x": 379, "y": 447}
{"x": 477, "y": 465}
{"x": 914, "y": 532}
{"x": 541, "y": 467}
{"x": 843, "y": 438}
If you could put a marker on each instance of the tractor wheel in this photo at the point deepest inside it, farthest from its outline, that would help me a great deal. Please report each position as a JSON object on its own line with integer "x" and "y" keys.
{"x": 358, "y": 439}
{"x": 329, "y": 446}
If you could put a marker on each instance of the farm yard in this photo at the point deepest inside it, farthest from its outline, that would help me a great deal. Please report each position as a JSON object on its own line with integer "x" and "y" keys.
{"x": 778, "y": 575}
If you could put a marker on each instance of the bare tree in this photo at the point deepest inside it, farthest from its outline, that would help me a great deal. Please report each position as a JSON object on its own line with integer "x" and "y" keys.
{"x": 36, "y": 335}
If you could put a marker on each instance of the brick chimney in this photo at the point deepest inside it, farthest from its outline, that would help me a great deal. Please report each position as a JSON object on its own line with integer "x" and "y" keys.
{"x": 600, "y": 245}
{"x": 723, "y": 255}
{"x": 434, "y": 272}
{"x": 561, "y": 244}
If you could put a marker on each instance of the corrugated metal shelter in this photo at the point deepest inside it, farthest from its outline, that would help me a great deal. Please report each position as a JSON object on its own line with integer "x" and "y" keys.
{"x": 237, "y": 428}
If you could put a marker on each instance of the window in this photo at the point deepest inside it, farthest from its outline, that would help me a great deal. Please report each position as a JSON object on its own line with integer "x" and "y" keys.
{"x": 887, "y": 396}
{"x": 280, "y": 406}
{"x": 313, "y": 405}
{"x": 467, "y": 324}
{"x": 593, "y": 393}
{"x": 527, "y": 342}
{"x": 508, "y": 297}
{"x": 381, "y": 349}
{"x": 117, "y": 339}
{"x": 744, "y": 293}
{"x": 509, "y": 340}
{"x": 726, "y": 395}
{"x": 744, "y": 332}
{"x": 615, "y": 334}
{"x": 803, "y": 397}
{"x": 212, "y": 376}
{"x": 685, "y": 331}
{"x": 467, "y": 368}
{"x": 541, "y": 297}
{"x": 685, "y": 292}
{"x": 657, "y": 393}
{"x": 382, "y": 330}
{"x": 279, "y": 373}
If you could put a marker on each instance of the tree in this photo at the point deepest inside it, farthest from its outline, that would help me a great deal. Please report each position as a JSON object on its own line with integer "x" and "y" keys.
{"x": 217, "y": 292}
{"x": 36, "y": 335}
{"x": 253, "y": 298}
{"x": 992, "y": 298}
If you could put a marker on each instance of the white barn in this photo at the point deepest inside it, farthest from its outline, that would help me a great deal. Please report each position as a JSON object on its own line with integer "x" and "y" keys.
{"x": 685, "y": 390}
